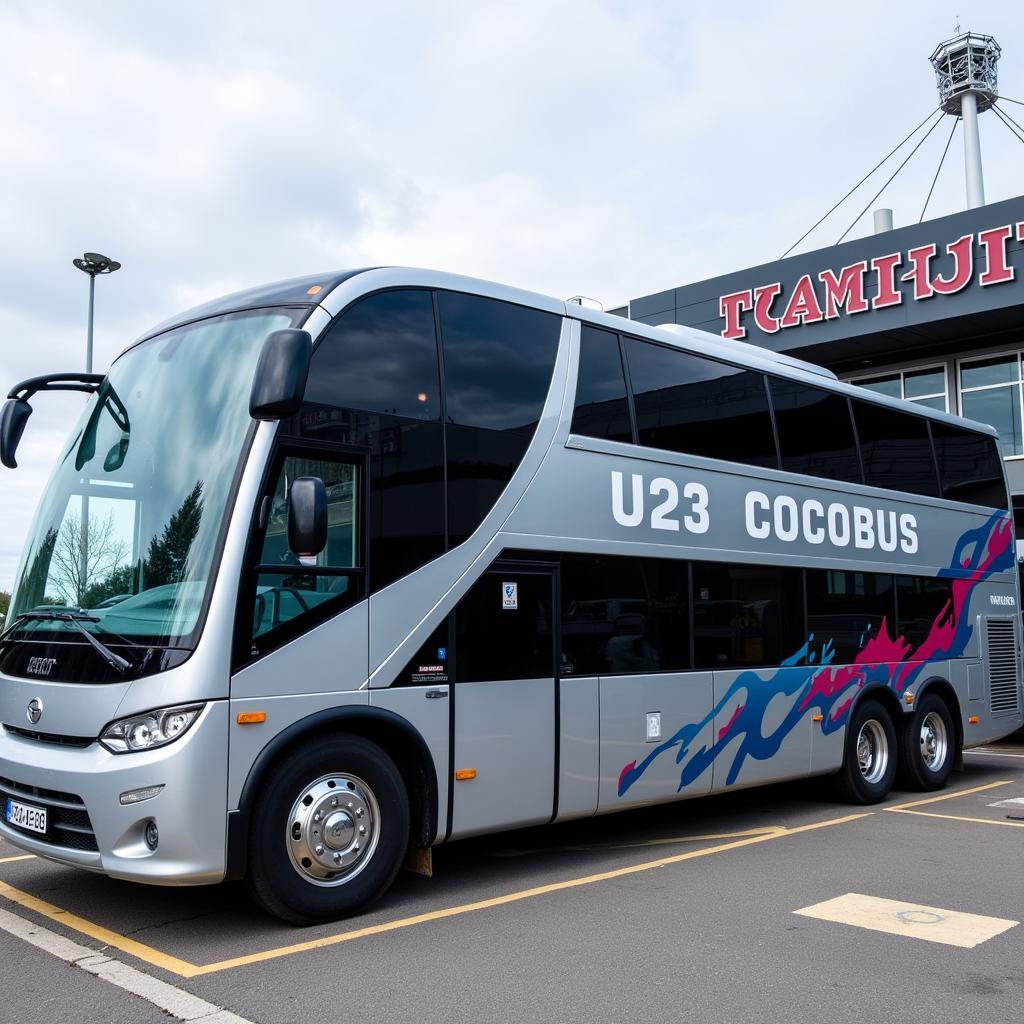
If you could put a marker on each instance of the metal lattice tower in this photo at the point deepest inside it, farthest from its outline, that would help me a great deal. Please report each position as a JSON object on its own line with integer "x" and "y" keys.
{"x": 965, "y": 73}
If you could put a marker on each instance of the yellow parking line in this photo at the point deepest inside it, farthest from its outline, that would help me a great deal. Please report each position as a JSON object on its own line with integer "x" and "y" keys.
{"x": 188, "y": 970}
{"x": 514, "y": 897}
{"x": 639, "y": 844}
{"x": 950, "y": 795}
{"x": 98, "y": 932}
{"x": 959, "y": 817}
{"x": 24, "y": 856}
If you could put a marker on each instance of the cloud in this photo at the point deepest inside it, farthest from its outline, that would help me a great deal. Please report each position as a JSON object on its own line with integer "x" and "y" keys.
{"x": 609, "y": 149}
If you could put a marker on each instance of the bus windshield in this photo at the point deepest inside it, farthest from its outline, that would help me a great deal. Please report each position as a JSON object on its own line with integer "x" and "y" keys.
{"x": 128, "y": 526}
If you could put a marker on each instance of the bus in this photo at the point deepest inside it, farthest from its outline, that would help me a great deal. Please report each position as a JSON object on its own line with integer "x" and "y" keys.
{"x": 336, "y": 570}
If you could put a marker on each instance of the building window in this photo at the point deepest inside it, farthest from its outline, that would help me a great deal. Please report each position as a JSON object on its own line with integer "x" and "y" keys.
{"x": 990, "y": 392}
{"x": 924, "y": 386}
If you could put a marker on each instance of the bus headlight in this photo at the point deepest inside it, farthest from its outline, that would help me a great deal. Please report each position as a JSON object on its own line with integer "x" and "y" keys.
{"x": 150, "y": 730}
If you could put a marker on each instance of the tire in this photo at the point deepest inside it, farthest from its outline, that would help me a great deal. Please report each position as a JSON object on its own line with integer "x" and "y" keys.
{"x": 330, "y": 829}
{"x": 869, "y": 755}
{"x": 928, "y": 745}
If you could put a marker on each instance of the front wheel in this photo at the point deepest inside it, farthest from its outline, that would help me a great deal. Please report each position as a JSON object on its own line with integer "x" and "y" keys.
{"x": 869, "y": 756}
{"x": 329, "y": 830}
{"x": 926, "y": 753}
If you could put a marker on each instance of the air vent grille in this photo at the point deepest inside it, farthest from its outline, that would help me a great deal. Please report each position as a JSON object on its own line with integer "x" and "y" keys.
{"x": 1003, "y": 685}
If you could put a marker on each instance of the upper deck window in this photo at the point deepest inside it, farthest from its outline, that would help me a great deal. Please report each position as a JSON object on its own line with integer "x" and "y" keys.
{"x": 815, "y": 431}
{"x": 602, "y": 409}
{"x": 381, "y": 356}
{"x": 374, "y": 382}
{"x": 969, "y": 466}
{"x": 685, "y": 403}
{"x": 895, "y": 449}
{"x": 498, "y": 361}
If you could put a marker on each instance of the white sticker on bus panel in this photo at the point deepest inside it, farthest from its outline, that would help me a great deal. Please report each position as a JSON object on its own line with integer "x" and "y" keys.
{"x": 509, "y": 596}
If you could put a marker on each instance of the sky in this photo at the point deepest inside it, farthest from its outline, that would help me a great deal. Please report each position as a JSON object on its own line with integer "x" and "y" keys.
{"x": 597, "y": 148}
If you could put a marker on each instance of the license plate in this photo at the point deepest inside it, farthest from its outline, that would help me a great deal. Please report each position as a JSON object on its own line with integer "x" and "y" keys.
{"x": 26, "y": 816}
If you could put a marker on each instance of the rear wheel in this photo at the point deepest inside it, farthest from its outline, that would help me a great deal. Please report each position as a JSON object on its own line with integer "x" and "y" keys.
{"x": 329, "y": 831}
{"x": 869, "y": 757}
{"x": 929, "y": 741}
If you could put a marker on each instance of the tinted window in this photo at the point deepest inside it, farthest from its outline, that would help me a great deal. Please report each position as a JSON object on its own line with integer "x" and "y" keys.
{"x": 745, "y": 615}
{"x": 846, "y": 609}
{"x": 498, "y": 360}
{"x": 601, "y": 406}
{"x": 430, "y": 664}
{"x": 969, "y": 466}
{"x": 922, "y": 603}
{"x": 373, "y": 383}
{"x": 815, "y": 431}
{"x": 895, "y": 449}
{"x": 497, "y": 638}
{"x": 384, "y": 358}
{"x": 688, "y": 404}
{"x": 623, "y": 615}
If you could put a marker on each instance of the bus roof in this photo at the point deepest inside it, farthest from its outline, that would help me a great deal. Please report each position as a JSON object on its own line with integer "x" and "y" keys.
{"x": 299, "y": 291}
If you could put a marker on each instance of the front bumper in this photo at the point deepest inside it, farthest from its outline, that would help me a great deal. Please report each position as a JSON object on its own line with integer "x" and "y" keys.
{"x": 90, "y": 828}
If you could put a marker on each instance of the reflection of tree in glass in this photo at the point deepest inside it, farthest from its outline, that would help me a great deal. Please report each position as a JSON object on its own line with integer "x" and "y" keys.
{"x": 82, "y": 560}
{"x": 120, "y": 582}
{"x": 33, "y": 589}
{"x": 167, "y": 558}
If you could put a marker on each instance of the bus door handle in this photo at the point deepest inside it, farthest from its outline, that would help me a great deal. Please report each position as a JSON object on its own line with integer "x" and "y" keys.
{"x": 435, "y": 694}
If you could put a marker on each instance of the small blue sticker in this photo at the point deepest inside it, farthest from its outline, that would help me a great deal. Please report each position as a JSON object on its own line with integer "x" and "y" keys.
{"x": 442, "y": 653}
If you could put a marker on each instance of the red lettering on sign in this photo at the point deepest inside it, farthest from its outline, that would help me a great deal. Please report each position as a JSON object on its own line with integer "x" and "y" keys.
{"x": 730, "y": 307}
{"x": 920, "y": 271}
{"x": 763, "y": 299}
{"x": 962, "y": 251}
{"x": 803, "y": 305}
{"x": 994, "y": 242}
{"x": 845, "y": 291}
{"x": 885, "y": 271}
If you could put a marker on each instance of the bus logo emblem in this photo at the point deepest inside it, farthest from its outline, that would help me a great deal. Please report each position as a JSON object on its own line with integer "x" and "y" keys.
{"x": 41, "y": 666}
{"x": 34, "y": 710}
{"x": 509, "y": 596}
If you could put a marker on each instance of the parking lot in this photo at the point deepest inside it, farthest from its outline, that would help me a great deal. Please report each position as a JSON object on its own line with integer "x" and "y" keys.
{"x": 767, "y": 904}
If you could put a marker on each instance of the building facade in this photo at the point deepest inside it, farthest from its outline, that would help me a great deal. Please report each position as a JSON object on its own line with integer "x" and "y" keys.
{"x": 933, "y": 313}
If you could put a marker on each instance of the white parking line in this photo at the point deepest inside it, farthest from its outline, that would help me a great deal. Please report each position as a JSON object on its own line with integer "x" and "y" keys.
{"x": 177, "y": 1002}
{"x": 993, "y": 753}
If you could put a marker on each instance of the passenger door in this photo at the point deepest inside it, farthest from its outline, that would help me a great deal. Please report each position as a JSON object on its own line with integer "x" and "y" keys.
{"x": 505, "y": 700}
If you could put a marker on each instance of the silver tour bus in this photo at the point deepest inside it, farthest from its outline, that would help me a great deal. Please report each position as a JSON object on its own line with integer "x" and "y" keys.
{"x": 333, "y": 571}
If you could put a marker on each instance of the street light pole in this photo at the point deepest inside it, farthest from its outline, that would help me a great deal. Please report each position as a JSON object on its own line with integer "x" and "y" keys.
{"x": 91, "y": 263}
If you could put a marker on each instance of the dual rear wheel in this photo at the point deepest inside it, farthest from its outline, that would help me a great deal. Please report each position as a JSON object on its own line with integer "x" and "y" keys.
{"x": 921, "y": 754}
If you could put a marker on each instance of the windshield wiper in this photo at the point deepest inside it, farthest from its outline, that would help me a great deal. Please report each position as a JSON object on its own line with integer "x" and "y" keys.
{"x": 115, "y": 661}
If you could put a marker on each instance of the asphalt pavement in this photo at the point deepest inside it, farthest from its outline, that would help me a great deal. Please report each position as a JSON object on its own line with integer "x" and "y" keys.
{"x": 770, "y": 904}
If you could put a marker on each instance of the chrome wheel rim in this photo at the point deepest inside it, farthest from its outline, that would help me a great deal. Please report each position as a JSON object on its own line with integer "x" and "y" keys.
{"x": 872, "y": 751}
{"x": 332, "y": 829}
{"x": 934, "y": 741}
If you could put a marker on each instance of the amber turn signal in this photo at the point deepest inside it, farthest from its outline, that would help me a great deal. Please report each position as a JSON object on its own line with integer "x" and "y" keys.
{"x": 974, "y": 720}
{"x": 909, "y": 698}
{"x": 464, "y": 774}
{"x": 251, "y": 717}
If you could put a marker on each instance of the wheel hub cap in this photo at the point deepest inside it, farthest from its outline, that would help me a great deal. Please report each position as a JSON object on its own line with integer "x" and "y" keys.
{"x": 872, "y": 751}
{"x": 333, "y": 829}
{"x": 933, "y": 741}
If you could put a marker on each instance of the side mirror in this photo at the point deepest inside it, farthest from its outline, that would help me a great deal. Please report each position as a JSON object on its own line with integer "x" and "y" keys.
{"x": 13, "y": 420}
{"x": 280, "y": 380}
{"x": 307, "y": 516}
